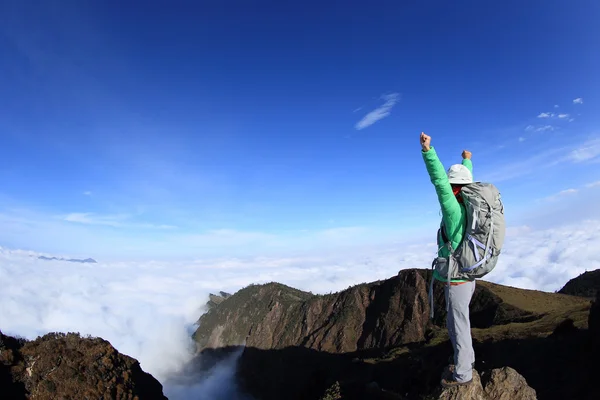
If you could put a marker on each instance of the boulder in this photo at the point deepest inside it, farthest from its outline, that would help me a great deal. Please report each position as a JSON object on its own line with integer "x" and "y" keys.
{"x": 499, "y": 384}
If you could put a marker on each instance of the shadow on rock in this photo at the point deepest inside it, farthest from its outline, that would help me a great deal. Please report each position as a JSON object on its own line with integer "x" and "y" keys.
{"x": 556, "y": 367}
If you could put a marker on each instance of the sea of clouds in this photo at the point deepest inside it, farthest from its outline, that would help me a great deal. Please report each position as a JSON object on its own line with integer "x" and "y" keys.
{"x": 148, "y": 309}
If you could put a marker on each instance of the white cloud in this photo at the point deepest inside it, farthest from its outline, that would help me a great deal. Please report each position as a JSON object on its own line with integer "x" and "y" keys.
{"x": 545, "y": 115}
{"x": 521, "y": 139}
{"x": 127, "y": 302}
{"x": 563, "y": 116}
{"x": 379, "y": 113}
{"x": 545, "y": 128}
{"x": 571, "y": 119}
{"x": 94, "y": 219}
{"x": 115, "y": 221}
{"x": 562, "y": 193}
{"x": 567, "y": 191}
{"x": 578, "y": 100}
{"x": 357, "y": 109}
{"x": 118, "y": 236}
{"x": 542, "y": 159}
{"x": 587, "y": 152}
{"x": 87, "y": 193}
{"x": 147, "y": 309}
{"x": 556, "y": 106}
{"x": 593, "y": 185}
{"x": 552, "y": 257}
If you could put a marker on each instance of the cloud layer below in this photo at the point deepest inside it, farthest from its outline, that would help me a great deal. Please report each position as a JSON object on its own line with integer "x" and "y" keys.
{"x": 147, "y": 310}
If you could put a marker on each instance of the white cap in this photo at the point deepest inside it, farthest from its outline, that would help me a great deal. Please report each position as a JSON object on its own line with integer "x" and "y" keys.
{"x": 458, "y": 174}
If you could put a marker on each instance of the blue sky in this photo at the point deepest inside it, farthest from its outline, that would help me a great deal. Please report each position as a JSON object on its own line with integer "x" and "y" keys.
{"x": 174, "y": 129}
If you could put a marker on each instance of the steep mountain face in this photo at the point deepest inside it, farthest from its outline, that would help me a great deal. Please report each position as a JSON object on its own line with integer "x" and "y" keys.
{"x": 585, "y": 285}
{"x": 368, "y": 316}
{"x": 297, "y": 345}
{"x": 275, "y": 316}
{"x": 67, "y": 366}
{"x": 216, "y": 299}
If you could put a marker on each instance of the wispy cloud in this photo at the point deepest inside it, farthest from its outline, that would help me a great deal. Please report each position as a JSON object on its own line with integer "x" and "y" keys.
{"x": 94, "y": 219}
{"x": 567, "y": 191}
{"x": 590, "y": 150}
{"x": 562, "y": 193}
{"x": 593, "y": 185}
{"x": 563, "y": 116}
{"x": 556, "y": 106}
{"x": 521, "y": 139}
{"x": 578, "y": 100}
{"x": 530, "y": 128}
{"x": 380, "y": 112}
{"x": 115, "y": 221}
{"x": 545, "y": 115}
{"x": 545, "y": 128}
{"x": 87, "y": 234}
{"x": 87, "y": 193}
{"x": 357, "y": 109}
{"x": 542, "y": 159}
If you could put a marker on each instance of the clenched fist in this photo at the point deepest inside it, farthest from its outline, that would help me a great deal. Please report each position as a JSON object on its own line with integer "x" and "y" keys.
{"x": 466, "y": 154}
{"x": 425, "y": 141}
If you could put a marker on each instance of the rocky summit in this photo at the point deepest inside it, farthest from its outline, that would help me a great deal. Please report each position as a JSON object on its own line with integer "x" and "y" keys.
{"x": 585, "y": 285}
{"x": 375, "y": 340}
{"x": 67, "y": 366}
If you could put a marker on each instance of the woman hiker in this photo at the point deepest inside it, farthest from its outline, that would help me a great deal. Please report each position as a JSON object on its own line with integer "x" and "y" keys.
{"x": 458, "y": 292}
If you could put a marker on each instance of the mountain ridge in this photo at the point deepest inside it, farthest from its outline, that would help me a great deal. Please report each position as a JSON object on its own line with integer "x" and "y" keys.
{"x": 295, "y": 341}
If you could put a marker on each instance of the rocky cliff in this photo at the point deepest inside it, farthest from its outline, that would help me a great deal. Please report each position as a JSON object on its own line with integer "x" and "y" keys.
{"x": 298, "y": 345}
{"x": 216, "y": 299}
{"x": 369, "y": 316}
{"x": 67, "y": 366}
{"x": 585, "y": 285}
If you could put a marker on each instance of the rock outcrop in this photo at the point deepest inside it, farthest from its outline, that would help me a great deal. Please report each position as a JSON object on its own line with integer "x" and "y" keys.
{"x": 585, "y": 285}
{"x": 67, "y": 366}
{"x": 498, "y": 384}
{"x": 216, "y": 299}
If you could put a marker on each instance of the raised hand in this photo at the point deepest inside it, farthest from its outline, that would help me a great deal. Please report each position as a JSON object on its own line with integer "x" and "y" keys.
{"x": 466, "y": 154}
{"x": 425, "y": 141}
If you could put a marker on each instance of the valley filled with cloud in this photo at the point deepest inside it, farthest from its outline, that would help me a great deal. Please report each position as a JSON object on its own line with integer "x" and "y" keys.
{"x": 148, "y": 309}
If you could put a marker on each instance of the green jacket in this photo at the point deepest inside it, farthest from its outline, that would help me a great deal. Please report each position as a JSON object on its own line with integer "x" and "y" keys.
{"x": 453, "y": 213}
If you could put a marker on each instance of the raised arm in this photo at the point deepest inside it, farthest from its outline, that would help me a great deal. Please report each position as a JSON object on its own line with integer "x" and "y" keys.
{"x": 466, "y": 155}
{"x": 451, "y": 210}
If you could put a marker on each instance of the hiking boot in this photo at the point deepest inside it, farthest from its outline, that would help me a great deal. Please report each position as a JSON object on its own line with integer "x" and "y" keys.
{"x": 449, "y": 371}
{"x": 448, "y": 383}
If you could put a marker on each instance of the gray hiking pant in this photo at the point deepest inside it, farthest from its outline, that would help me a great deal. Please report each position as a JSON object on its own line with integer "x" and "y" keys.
{"x": 458, "y": 298}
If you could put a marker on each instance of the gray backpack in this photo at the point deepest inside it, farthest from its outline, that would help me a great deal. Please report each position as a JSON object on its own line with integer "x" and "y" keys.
{"x": 482, "y": 242}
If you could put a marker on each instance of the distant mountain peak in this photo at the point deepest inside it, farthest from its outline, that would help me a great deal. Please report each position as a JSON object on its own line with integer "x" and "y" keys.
{"x": 74, "y": 260}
